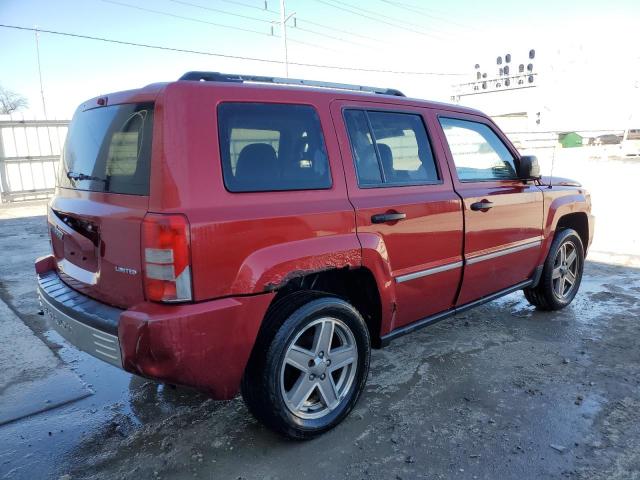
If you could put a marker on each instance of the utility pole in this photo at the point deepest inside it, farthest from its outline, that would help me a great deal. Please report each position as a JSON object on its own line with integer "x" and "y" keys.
{"x": 284, "y": 18}
{"x": 44, "y": 105}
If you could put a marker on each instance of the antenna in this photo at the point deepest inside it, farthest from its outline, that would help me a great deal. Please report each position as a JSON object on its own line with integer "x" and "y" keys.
{"x": 553, "y": 161}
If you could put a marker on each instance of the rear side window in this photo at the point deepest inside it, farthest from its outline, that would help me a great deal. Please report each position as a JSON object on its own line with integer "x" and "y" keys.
{"x": 272, "y": 147}
{"x": 477, "y": 151}
{"x": 390, "y": 148}
{"x": 108, "y": 149}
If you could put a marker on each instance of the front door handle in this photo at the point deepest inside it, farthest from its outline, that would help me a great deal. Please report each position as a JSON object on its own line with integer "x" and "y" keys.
{"x": 482, "y": 206}
{"x": 387, "y": 217}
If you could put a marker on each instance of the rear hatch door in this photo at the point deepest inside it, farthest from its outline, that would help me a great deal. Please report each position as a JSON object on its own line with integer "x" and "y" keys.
{"x": 95, "y": 218}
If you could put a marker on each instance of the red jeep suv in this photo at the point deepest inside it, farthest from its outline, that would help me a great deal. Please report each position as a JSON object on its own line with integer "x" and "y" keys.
{"x": 230, "y": 232}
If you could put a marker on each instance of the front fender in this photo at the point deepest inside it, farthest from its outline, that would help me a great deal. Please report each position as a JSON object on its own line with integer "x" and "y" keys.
{"x": 560, "y": 203}
{"x": 271, "y": 267}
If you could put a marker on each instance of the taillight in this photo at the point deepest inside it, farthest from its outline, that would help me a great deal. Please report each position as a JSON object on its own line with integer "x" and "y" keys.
{"x": 165, "y": 246}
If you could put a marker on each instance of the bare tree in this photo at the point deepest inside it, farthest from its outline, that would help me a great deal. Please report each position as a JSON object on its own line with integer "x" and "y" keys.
{"x": 11, "y": 101}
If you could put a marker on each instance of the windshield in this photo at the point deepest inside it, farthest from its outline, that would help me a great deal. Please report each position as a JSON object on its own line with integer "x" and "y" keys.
{"x": 108, "y": 149}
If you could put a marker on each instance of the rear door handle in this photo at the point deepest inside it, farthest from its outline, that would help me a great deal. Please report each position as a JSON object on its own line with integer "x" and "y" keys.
{"x": 483, "y": 205}
{"x": 387, "y": 217}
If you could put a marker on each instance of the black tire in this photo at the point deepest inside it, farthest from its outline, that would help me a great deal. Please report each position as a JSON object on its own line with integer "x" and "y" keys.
{"x": 286, "y": 319}
{"x": 545, "y": 295}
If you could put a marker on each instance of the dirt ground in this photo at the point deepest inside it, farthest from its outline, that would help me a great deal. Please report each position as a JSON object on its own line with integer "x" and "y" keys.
{"x": 499, "y": 392}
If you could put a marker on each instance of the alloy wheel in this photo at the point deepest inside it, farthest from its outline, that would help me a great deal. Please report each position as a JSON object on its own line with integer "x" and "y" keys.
{"x": 319, "y": 368}
{"x": 565, "y": 270}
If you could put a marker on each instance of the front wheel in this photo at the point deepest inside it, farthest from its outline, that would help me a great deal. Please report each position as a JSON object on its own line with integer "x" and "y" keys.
{"x": 310, "y": 365}
{"x": 561, "y": 274}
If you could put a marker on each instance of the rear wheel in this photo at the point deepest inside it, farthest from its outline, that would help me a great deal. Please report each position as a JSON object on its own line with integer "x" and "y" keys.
{"x": 310, "y": 365}
{"x": 561, "y": 274}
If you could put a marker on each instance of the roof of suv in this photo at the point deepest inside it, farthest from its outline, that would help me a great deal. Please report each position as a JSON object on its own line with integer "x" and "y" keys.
{"x": 333, "y": 90}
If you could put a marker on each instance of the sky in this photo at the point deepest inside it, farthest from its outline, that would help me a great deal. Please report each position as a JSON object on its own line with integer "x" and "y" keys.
{"x": 586, "y": 51}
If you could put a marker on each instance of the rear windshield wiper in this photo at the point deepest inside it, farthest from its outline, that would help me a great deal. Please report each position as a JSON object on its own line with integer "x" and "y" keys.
{"x": 84, "y": 176}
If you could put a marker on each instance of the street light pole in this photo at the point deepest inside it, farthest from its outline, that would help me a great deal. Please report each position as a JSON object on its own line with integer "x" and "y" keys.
{"x": 284, "y": 18}
{"x": 44, "y": 105}
{"x": 283, "y": 25}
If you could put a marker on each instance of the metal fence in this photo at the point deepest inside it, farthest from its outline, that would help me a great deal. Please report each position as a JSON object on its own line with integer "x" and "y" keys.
{"x": 29, "y": 153}
{"x": 30, "y": 149}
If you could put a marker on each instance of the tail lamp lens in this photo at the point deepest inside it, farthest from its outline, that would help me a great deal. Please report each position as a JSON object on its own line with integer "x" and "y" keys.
{"x": 165, "y": 246}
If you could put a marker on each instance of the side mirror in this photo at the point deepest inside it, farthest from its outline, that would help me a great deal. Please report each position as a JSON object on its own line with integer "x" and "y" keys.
{"x": 528, "y": 168}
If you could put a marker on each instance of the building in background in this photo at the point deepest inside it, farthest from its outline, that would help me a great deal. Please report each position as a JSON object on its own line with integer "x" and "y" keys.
{"x": 507, "y": 88}
{"x": 564, "y": 90}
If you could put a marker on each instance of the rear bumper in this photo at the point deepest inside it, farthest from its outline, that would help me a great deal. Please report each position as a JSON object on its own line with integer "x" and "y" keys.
{"x": 89, "y": 325}
{"x": 203, "y": 345}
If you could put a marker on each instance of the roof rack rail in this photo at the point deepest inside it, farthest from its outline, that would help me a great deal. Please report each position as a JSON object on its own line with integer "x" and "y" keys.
{"x": 231, "y": 77}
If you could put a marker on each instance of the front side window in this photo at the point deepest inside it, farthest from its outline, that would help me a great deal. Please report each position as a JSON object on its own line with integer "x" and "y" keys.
{"x": 477, "y": 151}
{"x": 272, "y": 147}
{"x": 390, "y": 148}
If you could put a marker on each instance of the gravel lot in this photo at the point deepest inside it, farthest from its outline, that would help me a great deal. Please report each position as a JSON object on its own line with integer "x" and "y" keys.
{"x": 499, "y": 392}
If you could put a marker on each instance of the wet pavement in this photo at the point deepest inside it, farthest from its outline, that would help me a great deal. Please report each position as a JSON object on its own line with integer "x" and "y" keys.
{"x": 502, "y": 391}
{"x": 33, "y": 369}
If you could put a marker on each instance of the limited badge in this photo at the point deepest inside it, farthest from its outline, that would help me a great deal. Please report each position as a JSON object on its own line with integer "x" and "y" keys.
{"x": 129, "y": 271}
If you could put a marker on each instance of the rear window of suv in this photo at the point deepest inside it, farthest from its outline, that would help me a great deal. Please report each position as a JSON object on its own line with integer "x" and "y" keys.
{"x": 272, "y": 147}
{"x": 108, "y": 149}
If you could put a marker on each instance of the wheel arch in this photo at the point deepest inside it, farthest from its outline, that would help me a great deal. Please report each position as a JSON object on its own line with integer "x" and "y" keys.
{"x": 354, "y": 285}
{"x": 567, "y": 209}
{"x": 271, "y": 268}
{"x": 577, "y": 221}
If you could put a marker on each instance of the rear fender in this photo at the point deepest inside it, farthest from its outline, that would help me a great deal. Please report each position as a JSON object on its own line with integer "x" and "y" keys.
{"x": 272, "y": 267}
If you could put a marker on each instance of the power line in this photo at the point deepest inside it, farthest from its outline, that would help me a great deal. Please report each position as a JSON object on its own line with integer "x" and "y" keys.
{"x": 222, "y": 55}
{"x": 190, "y": 19}
{"x": 321, "y": 25}
{"x": 315, "y": 32}
{"x": 217, "y": 10}
{"x": 298, "y": 18}
{"x": 381, "y": 15}
{"x": 421, "y": 11}
{"x": 270, "y": 22}
{"x": 303, "y": 19}
{"x": 242, "y": 4}
{"x": 198, "y": 20}
{"x": 309, "y": 44}
{"x": 431, "y": 9}
{"x": 348, "y": 8}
